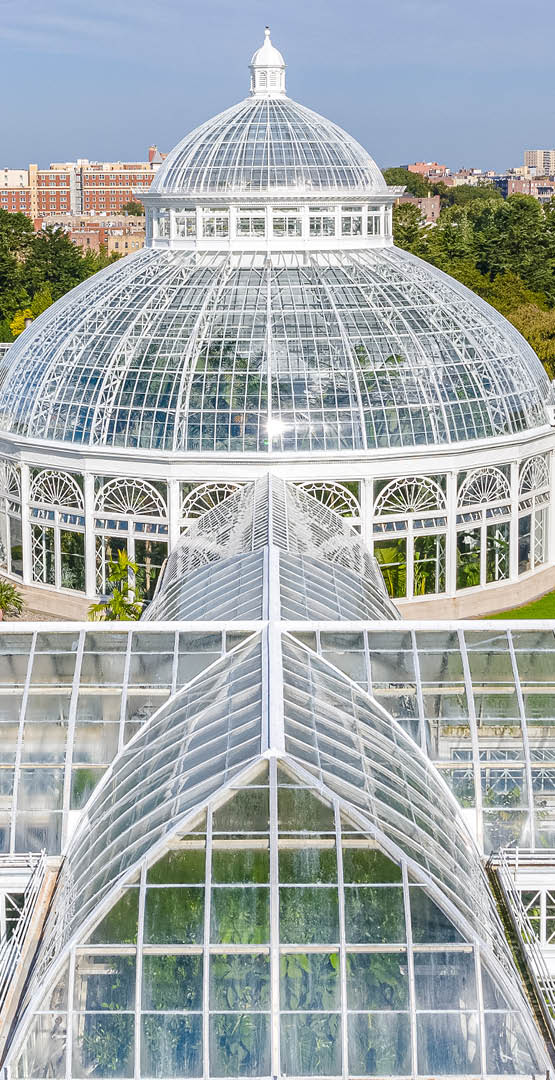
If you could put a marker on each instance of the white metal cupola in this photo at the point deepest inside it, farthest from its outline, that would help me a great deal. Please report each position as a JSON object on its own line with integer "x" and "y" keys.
{"x": 267, "y": 70}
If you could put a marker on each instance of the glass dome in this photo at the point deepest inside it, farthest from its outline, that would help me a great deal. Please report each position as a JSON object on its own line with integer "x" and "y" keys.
{"x": 268, "y": 144}
{"x": 288, "y": 351}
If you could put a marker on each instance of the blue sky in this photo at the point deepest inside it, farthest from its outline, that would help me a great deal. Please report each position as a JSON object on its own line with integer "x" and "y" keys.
{"x": 461, "y": 81}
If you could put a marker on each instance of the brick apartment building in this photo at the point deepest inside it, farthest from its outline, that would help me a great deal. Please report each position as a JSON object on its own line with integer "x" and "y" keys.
{"x": 76, "y": 187}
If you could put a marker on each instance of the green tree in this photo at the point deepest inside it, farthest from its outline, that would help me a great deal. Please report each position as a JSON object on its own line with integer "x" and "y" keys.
{"x": 11, "y": 601}
{"x": 134, "y": 208}
{"x": 56, "y": 261}
{"x": 463, "y": 194}
{"x": 408, "y": 223}
{"x": 413, "y": 182}
{"x": 124, "y": 601}
{"x": 40, "y": 302}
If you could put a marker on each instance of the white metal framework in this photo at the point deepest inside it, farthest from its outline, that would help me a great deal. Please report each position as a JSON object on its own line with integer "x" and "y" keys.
{"x": 272, "y": 876}
{"x": 270, "y": 323}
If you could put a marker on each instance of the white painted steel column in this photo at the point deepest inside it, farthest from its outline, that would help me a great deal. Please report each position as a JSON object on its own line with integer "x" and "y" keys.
{"x": 174, "y": 513}
{"x": 551, "y": 511}
{"x": 513, "y": 532}
{"x": 26, "y": 524}
{"x": 451, "y": 539}
{"x": 90, "y": 542}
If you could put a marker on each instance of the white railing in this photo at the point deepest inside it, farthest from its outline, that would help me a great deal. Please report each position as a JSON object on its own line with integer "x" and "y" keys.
{"x": 507, "y": 861}
{"x": 11, "y": 947}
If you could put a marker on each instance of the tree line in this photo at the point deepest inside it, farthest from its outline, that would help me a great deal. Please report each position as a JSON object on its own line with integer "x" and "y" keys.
{"x": 37, "y": 268}
{"x": 502, "y": 249}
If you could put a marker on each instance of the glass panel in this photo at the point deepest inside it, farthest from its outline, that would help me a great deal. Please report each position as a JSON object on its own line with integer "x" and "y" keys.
{"x": 178, "y": 868}
{"x": 311, "y": 1044}
{"x": 104, "y": 983}
{"x": 363, "y": 865}
{"x": 72, "y": 553}
{"x": 171, "y": 1046}
{"x": 174, "y": 915}
{"x": 497, "y": 551}
{"x": 172, "y": 982}
{"x": 377, "y": 980}
{"x": 239, "y": 982}
{"x": 309, "y": 981}
{"x": 308, "y": 915}
{"x": 239, "y": 1044}
{"x": 103, "y": 1045}
{"x": 308, "y": 864}
{"x": 229, "y": 867}
{"x": 429, "y": 564}
{"x": 507, "y": 1047}
{"x": 392, "y": 557}
{"x": 448, "y": 1043}
{"x": 445, "y": 980}
{"x": 524, "y": 543}
{"x": 374, "y": 915}
{"x": 429, "y": 924}
{"x": 468, "y": 558}
{"x": 379, "y": 1044}
{"x": 240, "y": 916}
{"x": 149, "y": 557}
{"x": 119, "y": 926}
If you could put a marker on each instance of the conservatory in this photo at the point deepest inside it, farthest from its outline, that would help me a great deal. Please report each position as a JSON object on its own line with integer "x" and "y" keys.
{"x": 270, "y": 322}
{"x": 272, "y": 796}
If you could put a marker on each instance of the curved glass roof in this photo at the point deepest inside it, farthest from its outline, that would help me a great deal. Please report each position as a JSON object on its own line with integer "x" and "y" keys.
{"x": 268, "y": 145}
{"x": 343, "y": 849}
{"x": 299, "y": 352}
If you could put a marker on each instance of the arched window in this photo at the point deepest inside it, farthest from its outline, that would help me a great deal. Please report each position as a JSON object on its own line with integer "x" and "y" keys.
{"x": 483, "y": 527}
{"x": 417, "y": 495}
{"x": 11, "y": 550}
{"x": 489, "y": 485}
{"x": 336, "y": 496}
{"x": 131, "y": 515}
{"x": 533, "y": 508}
{"x": 410, "y": 535}
{"x": 197, "y": 499}
{"x": 56, "y": 510}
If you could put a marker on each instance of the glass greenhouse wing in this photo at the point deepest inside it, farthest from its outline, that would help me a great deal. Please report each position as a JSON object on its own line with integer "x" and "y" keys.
{"x": 217, "y": 885}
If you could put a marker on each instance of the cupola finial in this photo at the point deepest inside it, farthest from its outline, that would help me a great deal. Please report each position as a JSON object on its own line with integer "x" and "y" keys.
{"x": 267, "y": 70}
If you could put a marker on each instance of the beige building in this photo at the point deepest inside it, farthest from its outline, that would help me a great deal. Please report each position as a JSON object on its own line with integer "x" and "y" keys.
{"x": 543, "y": 161}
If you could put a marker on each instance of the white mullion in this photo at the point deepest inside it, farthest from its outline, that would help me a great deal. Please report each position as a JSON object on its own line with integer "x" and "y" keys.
{"x": 139, "y": 971}
{"x": 71, "y": 735}
{"x": 474, "y": 740}
{"x": 451, "y": 535}
{"x": 419, "y": 691}
{"x": 480, "y": 995}
{"x": 175, "y": 662}
{"x": 512, "y": 568}
{"x": 17, "y": 763}
{"x": 57, "y": 550}
{"x": 69, "y": 1032}
{"x": 525, "y": 740}
{"x": 124, "y": 692}
{"x": 483, "y": 549}
{"x": 206, "y": 948}
{"x": 410, "y": 970}
{"x": 409, "y": 589}
{"x": 342, "y": 942}
{"x": 274, "y": 921}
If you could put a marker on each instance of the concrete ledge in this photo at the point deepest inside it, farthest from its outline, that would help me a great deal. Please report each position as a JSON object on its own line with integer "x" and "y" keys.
{"x": 58, "y": 605}
{"x": 484, "y": 600}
